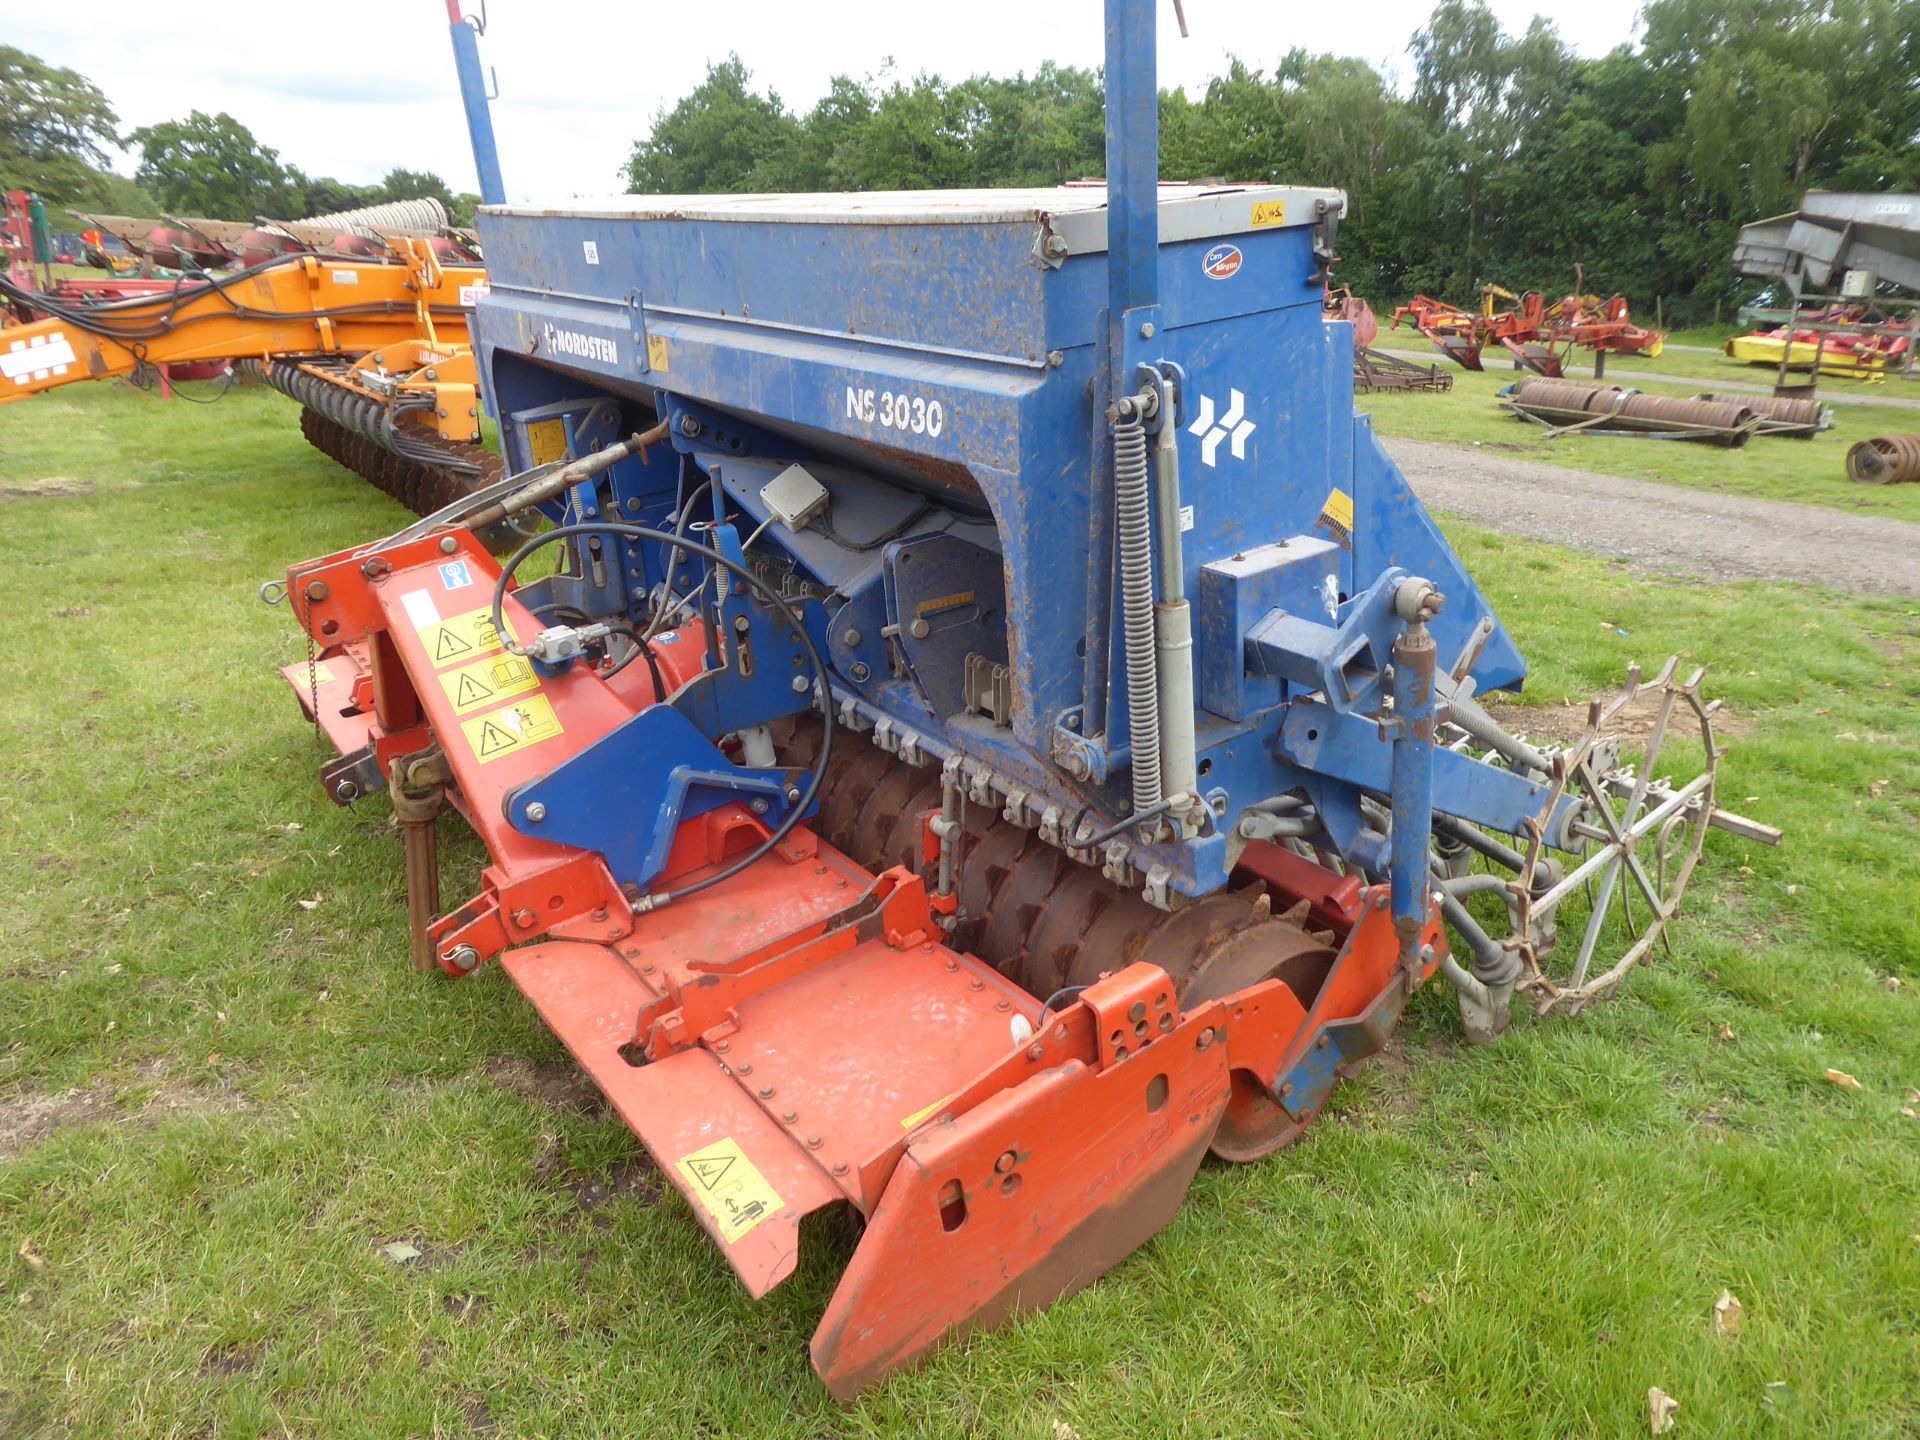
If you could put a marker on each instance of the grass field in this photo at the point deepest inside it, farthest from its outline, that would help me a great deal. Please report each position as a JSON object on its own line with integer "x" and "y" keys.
{"x": 1812, "y": 472}
{"x": 223, "y": 1091}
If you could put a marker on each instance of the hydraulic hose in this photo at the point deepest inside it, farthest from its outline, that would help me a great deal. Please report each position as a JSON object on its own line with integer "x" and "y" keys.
{"x": 1133, "y": 517}
{"x": 815, "y": 660}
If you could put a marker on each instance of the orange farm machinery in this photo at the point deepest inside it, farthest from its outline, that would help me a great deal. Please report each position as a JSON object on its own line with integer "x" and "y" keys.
{"x": 371, "y": 338}
{"x": 995, "y": 727}
{"x": 1537, "y": 333}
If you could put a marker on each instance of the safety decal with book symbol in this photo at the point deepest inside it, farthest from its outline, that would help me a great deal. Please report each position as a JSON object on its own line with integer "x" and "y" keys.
{"x": 487, "y": 682}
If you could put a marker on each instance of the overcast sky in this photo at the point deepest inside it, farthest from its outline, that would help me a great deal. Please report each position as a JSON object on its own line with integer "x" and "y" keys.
{"x": 351, "y": 88}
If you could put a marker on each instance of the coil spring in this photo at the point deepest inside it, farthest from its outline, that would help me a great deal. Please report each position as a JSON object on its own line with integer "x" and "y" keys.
{"x": 1131, "y": 512}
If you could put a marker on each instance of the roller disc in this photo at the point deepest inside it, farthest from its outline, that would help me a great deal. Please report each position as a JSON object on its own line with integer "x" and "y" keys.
{"x": 1255, "y": 1124}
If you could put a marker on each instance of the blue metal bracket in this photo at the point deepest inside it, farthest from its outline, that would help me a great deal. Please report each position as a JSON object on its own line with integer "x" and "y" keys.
{"x": 1345, "y": 663}
{"x": 766, "y": 675}
{"x": 626, "y": 794}
{"x": 1340, "y": 1045}
{"x": 1348, "y": 748}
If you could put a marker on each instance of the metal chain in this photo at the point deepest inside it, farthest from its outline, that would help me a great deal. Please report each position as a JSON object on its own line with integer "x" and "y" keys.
{"x": 313, "y": 687}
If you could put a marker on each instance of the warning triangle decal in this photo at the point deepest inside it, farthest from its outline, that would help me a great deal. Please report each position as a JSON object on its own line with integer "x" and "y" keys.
{"x": 449, "y": 645}
{"x": 472, "y": 692}
{"x": 709, "y": 1171}
{"x": 493, "y": 740}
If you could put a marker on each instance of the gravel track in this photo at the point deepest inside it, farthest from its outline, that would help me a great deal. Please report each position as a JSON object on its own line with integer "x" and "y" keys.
{"x": 1665, "y": 529}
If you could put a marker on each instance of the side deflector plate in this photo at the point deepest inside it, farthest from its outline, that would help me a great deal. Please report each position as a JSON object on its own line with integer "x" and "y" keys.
{"x": 747, "y": 1182}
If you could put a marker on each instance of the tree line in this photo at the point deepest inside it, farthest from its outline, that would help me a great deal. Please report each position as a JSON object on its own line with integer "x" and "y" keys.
{"x": 57, "y": 129}
{"x": 1509, "y": 159}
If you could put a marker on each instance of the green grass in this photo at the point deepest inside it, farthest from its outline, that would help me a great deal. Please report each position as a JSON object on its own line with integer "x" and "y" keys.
{"x": 1812, "y": 472}
{"x": 1514, "y": 1241}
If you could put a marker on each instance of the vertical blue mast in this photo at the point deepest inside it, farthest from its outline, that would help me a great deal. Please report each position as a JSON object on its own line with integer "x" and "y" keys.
{"x": 473, "y": 93}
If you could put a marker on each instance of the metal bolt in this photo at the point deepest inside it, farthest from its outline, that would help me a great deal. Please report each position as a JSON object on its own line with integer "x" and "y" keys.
{"x": 813, "y": 1142}
{"x": 758, "y": 805}
{"x": 448, "y": 544}
{"x": 635, "y": 504}
{"x": 789, "y": 1116}
{"x": 689, "y": 426}
{"x": 801, "y": 684}
{"x": 1322, "y": 1042}
{"x": 745, "y": 1067}
{"x": 721, "y": 1046}
{"x": 850, "y": 638}
{"x": 859, "y": 670}
{"x": 317, "y": 590}
{"x": 1426, "y": 954}
{"x": 1056, "y": 358}
{"x": 839, "y": 1167}
{"x": 600, "y": 914}
{"x": 1146, "y": 330}
{"x": 920, "y": 629}
{"x": 523, "y": 918}
{"x": 1057, "y": 246}
{"x": 1002, "y": 1004}
{"x": 1204, "y": 1040}
{"x": 346, "y": 792}
{"x": 976, "y": 983}
{"x": 1036, "y": 1050}
{"x": 793, "y": 794}
{"x": 766, "y": 1092}
{"x": 462, "y": 958}
{"x": 536, "y": 812}
{"x": 1006, "y": 1161}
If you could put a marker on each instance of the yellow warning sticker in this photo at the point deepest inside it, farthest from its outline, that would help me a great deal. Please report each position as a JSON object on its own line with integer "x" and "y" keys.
{"x": 547, "y": 441}
{"x": 944, "y": 602}
{"x": 1339, "y": 509}
{"x": 509, "y": 730}
{"x": 1269, "y": 212}
{"x": 487, "y": 682}
{"x": 322, "y": 673}
{"x": 657, "y": 353}
{"x": 919, "y": 1115}
{"x": 1336, "y": 517}
{"x": 728, "y": 1187}
{"x": 463, "y": 638}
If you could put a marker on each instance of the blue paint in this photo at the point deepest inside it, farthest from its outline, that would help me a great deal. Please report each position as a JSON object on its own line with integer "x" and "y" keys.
{"x": 949, "y": 379}
{"x": 473, "y": 95}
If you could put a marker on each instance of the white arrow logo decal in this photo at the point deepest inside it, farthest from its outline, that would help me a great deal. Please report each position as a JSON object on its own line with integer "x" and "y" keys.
{"x": 1233, "y": 426}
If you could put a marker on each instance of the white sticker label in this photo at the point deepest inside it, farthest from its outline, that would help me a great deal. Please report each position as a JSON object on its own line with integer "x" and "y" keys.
{"x": 592, "y": 251}
{"x": 471, "y": 295}
{"x": 346, "y": 277}
{"x": 46, "y": 355}
{"x": 455, "y": 576}
{"x": 1186, "y": 517}
{"x": 420, "y": 608}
